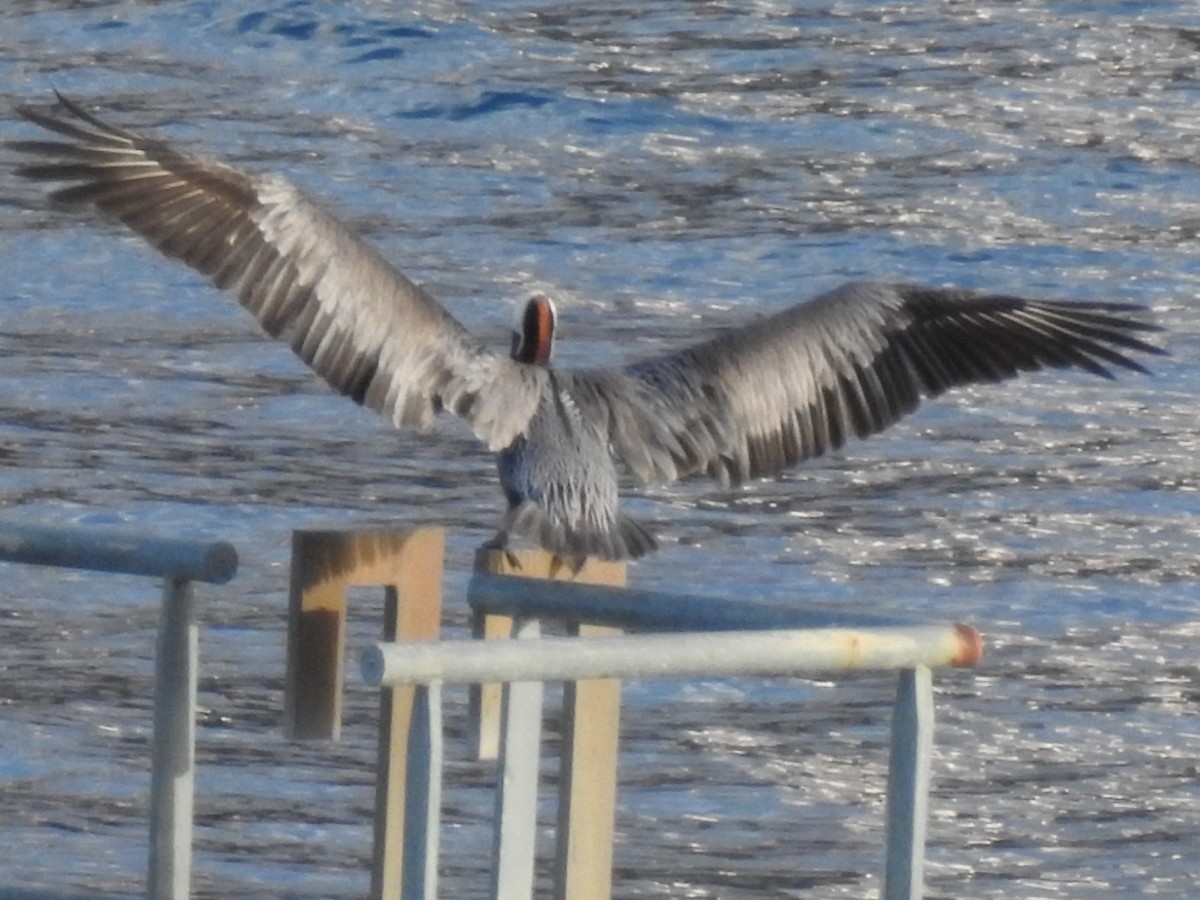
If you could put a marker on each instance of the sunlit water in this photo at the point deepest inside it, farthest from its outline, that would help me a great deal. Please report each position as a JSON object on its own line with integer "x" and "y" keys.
{"x": 664, "y": 169}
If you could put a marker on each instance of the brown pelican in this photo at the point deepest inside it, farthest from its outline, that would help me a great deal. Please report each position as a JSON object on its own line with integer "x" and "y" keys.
{"x": 746, "y": 404}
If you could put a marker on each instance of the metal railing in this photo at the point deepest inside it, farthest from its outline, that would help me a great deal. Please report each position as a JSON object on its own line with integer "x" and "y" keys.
{"x": 179, "y": 563}
{"x": 524, "y": 665}
{"x": 718, "y": 638}
{"x": 711, "y": 638}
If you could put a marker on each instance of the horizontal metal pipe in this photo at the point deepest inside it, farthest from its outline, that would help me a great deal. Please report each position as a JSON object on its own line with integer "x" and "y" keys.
{"x": 114, "y": 550}
{"x": 639, "y": 610}
{"x": 674, "y": 655}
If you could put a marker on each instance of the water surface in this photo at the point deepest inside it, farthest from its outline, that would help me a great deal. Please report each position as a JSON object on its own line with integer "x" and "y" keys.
{"x": 664, "y": 169}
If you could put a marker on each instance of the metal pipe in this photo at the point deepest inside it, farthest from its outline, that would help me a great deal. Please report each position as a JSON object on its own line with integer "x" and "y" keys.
{"x": 640, "y": 610}
{"x": 514, "y": 842}
{"x": 179, "y": 563}
{"x": 423, "y": 796}
{"x": 115, "y": 550}
{"x": 908, "y": 785}
{"x": 172, "y": 777}
{"x": 658, "y": 656}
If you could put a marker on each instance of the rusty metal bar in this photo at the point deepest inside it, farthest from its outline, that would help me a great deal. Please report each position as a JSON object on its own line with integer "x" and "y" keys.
{"x": 652, "y": 655}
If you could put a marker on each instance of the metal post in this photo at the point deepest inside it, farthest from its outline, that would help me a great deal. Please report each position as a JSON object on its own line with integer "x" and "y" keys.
{"x": 172, "y": 784}
{"x": 423, "y": 795}
{"x": 516, "y": 794}
{"x": 908, "y": 785}
{"x": 179, "y": 563}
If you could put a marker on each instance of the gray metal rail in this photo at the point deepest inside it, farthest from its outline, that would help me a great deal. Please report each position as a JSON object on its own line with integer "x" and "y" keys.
{"x": 179, "y": 563}
{"x": 119, "y": 551}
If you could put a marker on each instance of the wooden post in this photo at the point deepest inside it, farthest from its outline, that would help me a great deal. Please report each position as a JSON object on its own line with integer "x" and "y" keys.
{"x": 408, "y": 565}
{"x": 484, "y": 700}
{"x": 587, "y": 789}
{"x": 324, "y": 565}
{"x": 591, "y": 726}
{"x": 410, "y": 736}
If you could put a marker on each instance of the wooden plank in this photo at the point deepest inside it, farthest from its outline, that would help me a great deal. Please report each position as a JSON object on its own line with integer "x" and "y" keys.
{"x": 407, "y": 565}
{"x": 591, "y": 726}
{"x": 587, "y": 787}
{"x": 908, "y": 785}
{"x": 484, "y": 700}
{"x": 324, "y": 565}
{"x": 312, "y": 697}
{"x": 409, "y": 750}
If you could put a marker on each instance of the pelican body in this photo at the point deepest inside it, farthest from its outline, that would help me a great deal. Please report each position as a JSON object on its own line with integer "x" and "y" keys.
{"x": 746, "y": 404}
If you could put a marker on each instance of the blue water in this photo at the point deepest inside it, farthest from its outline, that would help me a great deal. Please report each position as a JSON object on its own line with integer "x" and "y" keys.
{"x": 663, "y": 169}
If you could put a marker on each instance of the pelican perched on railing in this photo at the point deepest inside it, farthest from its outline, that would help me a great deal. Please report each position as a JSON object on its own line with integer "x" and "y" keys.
{"x": 748, "y": 403}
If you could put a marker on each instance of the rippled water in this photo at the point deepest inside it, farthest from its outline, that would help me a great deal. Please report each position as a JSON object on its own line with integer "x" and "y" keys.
{"x": 664, "y": 169}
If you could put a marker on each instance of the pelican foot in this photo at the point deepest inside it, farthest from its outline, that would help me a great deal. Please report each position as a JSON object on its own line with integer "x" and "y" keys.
{"x": 500, "y": 542}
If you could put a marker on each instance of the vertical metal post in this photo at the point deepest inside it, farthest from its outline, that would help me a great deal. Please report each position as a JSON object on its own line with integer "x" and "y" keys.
{"x": 172, "y": 783}
{"x": 516, "y": 794}
{"x": 908, "y": 785}
{"x": 423, "y": 795}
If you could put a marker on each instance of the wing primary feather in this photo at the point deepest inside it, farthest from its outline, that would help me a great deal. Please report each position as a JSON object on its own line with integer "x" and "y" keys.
{"x": 358, "y": 322}
{"x": 850, "y": 363}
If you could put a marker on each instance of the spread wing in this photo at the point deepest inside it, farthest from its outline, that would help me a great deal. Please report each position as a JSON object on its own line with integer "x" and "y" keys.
{"x": 369, "y": 331}
{"x": 746, "y": 404}
{"x": 795, "y": 385}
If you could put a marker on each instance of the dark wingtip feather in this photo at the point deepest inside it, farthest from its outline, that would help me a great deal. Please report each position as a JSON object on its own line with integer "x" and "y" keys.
{"x": 65, "y": 117}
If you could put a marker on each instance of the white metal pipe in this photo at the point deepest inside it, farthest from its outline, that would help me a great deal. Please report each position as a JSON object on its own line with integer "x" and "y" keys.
{"x": 515, "y": 838}
{"x": 908, "y": 785}
{"x": 115, "y": 550}
{"x": 423, "y": 798}
{"x": 172, "y": 777}
{"x": 657, "y": 656}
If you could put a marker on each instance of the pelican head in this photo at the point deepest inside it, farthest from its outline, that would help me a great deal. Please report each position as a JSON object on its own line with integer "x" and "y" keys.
{"x": 533, "y": 333}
